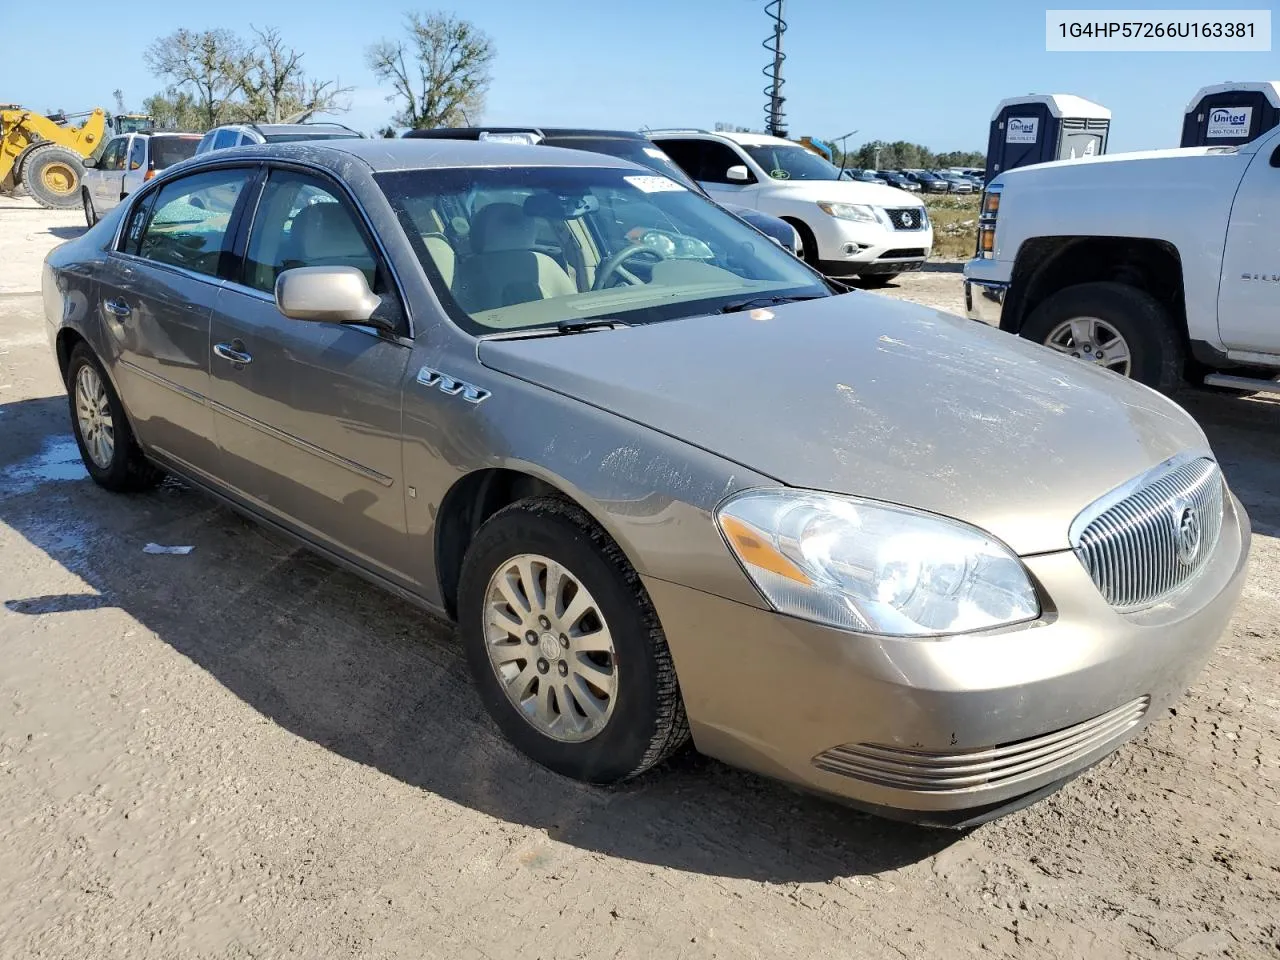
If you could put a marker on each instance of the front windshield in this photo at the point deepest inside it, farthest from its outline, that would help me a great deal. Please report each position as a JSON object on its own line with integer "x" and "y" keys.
{"x": 791, "y": 163}
{"x": 514, "y": 248}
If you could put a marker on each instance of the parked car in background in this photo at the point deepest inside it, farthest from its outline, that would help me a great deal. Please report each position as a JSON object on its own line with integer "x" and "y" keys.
{"x": 125, "y": 163}
{"x": 652, "y": 511}
{"x": 1090, "y": 258}
{"x": 896, "y": 179}
{"x": 860, "y": 176}
{"x": 871, "y": 231}
{"x": 238, "y": 134}
{"x": 625, "y": 144}
{"x": 955, "y": 182}
{"x": 927, "y": 182}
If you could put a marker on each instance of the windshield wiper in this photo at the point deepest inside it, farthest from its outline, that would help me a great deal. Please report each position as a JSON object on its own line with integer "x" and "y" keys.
{"x": 737, "y": 306}
{"x": 581, "y": 326}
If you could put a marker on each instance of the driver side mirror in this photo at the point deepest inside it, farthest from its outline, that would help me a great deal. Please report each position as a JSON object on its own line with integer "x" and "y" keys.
{"x": 333, "y": 294}
{"x": 88, "y": 163}
{"x": 738, "y": 174}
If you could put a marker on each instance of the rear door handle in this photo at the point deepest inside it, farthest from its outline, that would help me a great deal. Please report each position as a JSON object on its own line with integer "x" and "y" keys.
{"x": 228, "y": 352}
{"x": 117, "y": 307}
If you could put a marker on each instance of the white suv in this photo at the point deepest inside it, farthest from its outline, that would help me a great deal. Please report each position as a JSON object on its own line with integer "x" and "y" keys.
{"x": 238, "y": 134}
{"x": 848, "y": 228}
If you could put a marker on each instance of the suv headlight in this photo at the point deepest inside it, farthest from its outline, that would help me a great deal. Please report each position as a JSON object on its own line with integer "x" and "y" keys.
{"x": 874, "y": 567}
{"x": 849, "y": 211}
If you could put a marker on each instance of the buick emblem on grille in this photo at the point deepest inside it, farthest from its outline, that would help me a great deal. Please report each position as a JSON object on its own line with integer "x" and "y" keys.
{"x": 1188, "y": 532}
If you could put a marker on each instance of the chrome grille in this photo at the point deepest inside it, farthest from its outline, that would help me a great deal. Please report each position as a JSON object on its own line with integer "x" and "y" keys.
{"x": 1154, "y": 535}
{"x": 906, "y": 218}
{"x": 989, "y": 767}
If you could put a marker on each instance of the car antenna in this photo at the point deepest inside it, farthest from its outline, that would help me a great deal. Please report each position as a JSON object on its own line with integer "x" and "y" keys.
{"x": 843, "y": 143}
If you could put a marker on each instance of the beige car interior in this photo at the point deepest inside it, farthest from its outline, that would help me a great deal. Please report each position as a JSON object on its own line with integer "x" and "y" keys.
{"x": 504, "y": 268}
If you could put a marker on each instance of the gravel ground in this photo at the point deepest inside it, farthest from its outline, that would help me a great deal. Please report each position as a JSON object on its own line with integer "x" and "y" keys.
{"x": 245, "y": 752}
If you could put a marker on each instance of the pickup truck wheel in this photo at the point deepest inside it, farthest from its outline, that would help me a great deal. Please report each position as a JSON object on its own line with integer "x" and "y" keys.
{"x": 564, "y": 644}
{"x": 1111, "y": 325}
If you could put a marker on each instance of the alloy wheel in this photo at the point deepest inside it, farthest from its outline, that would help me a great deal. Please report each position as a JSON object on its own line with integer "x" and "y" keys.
{"x": 551, "y": 648}
{"x": 93, "y": 413}
{"x": 1092, "y": 340}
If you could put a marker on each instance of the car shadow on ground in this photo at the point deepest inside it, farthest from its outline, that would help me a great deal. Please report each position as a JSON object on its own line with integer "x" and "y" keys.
{"x": 67, "y": 233}
{"x": 943, "y": 266}
{"x": 340, "y": 663}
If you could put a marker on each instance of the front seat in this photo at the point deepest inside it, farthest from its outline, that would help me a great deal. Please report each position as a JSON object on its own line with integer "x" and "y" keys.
{"x": 324, "y": 235}
{"x": 504, "y": 269}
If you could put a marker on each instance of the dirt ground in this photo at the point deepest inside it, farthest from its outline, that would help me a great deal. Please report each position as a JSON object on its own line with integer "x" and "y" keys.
{"x": 245, "y": 752}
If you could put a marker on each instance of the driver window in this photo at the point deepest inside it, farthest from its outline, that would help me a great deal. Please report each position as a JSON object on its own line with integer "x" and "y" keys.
{"x": 302, "y": 223}
{"x": 191, "y": 218}
{"x": 113, "y": 155}
{"x": 715, "y": 161}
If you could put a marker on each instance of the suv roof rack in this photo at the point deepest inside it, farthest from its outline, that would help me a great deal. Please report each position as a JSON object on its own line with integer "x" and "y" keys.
{"x": 648, "y": 130}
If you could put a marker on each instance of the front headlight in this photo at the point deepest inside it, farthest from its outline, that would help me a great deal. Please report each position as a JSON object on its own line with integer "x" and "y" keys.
{"x": 849, "y": 211}
{"x": 874, "y": 567}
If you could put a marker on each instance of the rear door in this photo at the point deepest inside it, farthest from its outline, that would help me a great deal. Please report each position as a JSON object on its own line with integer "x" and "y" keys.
{"x": 156, "y": 291}
{"x": 307, "y": 414}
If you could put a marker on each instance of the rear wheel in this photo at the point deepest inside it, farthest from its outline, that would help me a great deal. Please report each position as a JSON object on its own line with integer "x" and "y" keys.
{"x": 53, "y": 176}
{"x": 1111, "y": 325}
{"x": 107, "y": 446}
{"x": 564, "y": 645}
{"x": 90, "y": 214}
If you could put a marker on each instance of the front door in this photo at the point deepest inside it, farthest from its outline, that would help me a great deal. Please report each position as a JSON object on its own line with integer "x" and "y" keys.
{"x": 1249, "y": 294}
{"x": 307, "y": 414}
{"x": 708, "y": 162}
{"x": 155, "y": 296}
{"x": 108, "y": 175}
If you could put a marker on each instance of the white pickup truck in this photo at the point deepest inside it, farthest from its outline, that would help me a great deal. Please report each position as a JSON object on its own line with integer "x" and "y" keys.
{"x": 1162, "y": 265}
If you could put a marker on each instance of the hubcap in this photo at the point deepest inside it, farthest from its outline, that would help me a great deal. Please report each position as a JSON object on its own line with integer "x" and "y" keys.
{"x": 550, "y": 648}
{"x": 1092, "y": 340}
{"x": 93, "y": 413}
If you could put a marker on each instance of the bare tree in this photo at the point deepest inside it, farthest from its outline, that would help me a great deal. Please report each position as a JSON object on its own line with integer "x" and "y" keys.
{"x": 276, "y": 86}
{"x": 440, "y": 73}
{"x": 118, "y": 95}
{"x": 209, "y": 66}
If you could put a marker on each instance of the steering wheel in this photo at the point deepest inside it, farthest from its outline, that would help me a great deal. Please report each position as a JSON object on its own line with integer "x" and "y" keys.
{"x": 614, "y": 263}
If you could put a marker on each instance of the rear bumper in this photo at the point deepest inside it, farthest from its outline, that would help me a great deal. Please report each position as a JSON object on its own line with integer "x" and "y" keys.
{"x": 944, "y": 731}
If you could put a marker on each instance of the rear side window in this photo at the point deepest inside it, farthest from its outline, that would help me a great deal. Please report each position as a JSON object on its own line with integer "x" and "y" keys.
{"x": 166, "y": 151}
{"x": 191, "y": 217}
{"x": 225, "y": 138}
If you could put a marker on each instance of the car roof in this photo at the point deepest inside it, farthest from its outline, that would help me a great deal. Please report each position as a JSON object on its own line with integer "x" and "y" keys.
{"x": 414, "y": 153}
{"x": 553, "y": 133}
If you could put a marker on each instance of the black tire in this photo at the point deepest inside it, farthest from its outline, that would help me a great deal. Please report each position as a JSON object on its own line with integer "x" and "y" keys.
{"x": 648, "y": 721}
{"x": 809, "y": 253}
{"x": 90, "y": 214}
{"x": 1155, "y": 348}
{"x": 128, "y": 470}
{"x": 875, "y": 280}
{"x": 48, "y": 160}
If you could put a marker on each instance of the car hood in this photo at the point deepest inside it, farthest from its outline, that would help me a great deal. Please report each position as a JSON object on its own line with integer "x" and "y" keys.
{"x": 844, "y": 191}
{"x": 862, "y": 395}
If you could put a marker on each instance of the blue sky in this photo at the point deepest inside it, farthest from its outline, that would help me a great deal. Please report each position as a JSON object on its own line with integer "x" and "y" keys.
{"x": 924, "y": 72}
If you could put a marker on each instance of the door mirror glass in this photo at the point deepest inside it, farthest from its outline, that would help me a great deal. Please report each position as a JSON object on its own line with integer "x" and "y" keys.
{"x": 329, "y": 294}
{"x": 737, "y": 174}
{"x": 89, "y": 163}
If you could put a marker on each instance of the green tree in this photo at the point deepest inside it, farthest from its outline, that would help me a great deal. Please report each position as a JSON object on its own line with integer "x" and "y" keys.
{"x": 275, "y": 87}
{"x": 175, "y": 109}
{"x": 439, "y": 74}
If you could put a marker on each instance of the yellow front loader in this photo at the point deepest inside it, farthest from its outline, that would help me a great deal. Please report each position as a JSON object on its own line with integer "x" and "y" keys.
{"x": 45, "y": 155}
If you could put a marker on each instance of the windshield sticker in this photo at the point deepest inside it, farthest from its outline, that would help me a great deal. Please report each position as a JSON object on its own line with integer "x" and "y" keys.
{"x": 653, "y": 184}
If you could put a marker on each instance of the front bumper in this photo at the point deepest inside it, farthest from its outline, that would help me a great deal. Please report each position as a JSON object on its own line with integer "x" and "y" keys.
{"x": 930, "y": 728}
{"x": 984, "y": 300}
{"x": 847, "y": 248}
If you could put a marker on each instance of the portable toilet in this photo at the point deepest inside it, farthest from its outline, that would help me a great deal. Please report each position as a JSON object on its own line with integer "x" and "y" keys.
{"x": 1041, "y": 127}
{"x": 1229, "y": 114}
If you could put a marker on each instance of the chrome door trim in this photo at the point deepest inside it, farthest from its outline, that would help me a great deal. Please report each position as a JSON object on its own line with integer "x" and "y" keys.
{"x": 177, "y": 388}
{"x": 304, "y": 445}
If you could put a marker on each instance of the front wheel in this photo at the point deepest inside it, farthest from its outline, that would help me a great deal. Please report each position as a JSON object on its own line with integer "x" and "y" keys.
{"x": 53, "y": 176}
{"x": 564, "y": 644}
{"x": 1112, "y": 325}
{"x": 90, "y": 214}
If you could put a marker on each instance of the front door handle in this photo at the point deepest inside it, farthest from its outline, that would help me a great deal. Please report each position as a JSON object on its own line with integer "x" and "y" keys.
{"x": 117, "y": 308}
{"x": 229, "y": 352}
